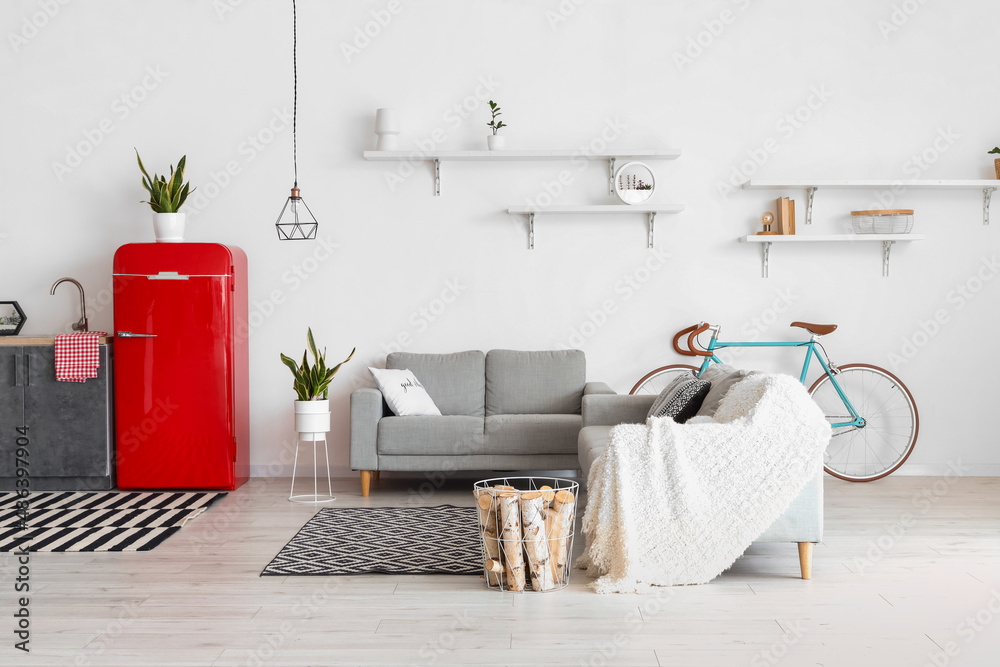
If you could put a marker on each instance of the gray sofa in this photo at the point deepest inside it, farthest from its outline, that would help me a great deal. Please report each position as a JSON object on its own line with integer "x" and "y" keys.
{"x": 504, "y": 410}
{"x": 801, "y": 523}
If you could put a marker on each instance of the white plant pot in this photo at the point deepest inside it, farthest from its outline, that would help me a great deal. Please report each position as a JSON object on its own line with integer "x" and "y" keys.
{"x": 312, "y": 419}
{"x": 495, "y": 142}
{"x": 169, "y": 227}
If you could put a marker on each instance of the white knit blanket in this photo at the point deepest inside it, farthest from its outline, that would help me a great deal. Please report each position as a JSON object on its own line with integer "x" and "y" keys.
{"x": 671, "y": 504}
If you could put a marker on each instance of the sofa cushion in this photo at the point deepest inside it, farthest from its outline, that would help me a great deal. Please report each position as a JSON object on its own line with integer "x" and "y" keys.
{"x": 431, "y": 436}
{"x": 539, "y": 383}
{"x": 532, "y": 434}
{"x": 592, "y": 442}
{"x": 722, "y": 377}
{"x": 403, "y": 393}
{"x": 680, "y": 399}
{"x": 456, "y": 382}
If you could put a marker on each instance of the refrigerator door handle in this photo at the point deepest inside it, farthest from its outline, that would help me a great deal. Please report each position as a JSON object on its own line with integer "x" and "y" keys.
{"x": 129, "y": 334}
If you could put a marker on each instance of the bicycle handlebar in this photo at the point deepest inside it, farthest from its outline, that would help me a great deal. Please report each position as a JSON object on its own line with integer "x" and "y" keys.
{"x": 692, "y": 333}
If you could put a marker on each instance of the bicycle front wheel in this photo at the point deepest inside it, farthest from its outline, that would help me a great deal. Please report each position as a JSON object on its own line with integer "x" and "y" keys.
{"x": 654, "y": 382}
{"x": 882, "y": 445}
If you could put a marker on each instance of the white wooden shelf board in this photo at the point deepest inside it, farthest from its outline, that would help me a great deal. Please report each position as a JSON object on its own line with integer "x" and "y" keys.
{"x": 437, "y": 157}
{"x": 650, "y": 211}
{"x": 988, "y": 187}
{"x": 887, "y": 241}
{"x": 524, "y": 155}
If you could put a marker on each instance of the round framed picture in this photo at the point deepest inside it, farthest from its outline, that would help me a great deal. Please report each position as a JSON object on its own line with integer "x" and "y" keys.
{"x": 634, "y": 183}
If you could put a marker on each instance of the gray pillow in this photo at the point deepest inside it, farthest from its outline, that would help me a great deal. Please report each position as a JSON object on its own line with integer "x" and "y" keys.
{"x": 722, "y": 377}
{"x": 680, "y": 399}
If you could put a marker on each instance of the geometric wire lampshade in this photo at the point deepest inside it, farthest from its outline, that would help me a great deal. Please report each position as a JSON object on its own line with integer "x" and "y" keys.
{"x": 296, "y": 222}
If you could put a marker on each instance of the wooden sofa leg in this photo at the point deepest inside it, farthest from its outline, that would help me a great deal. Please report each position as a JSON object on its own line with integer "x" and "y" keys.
{"x": 806, "y": 559}
{"x": 366, "y": 479}
{"x": 376, "y": 475}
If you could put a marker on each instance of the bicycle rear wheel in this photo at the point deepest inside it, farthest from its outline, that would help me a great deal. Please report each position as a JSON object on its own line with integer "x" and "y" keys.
{"x": 882, "y": 445}
{"x": 653, "y": 382}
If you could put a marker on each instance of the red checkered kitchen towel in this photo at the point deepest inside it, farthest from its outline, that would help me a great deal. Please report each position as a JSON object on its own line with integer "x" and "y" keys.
{"x": 78, "y": 356}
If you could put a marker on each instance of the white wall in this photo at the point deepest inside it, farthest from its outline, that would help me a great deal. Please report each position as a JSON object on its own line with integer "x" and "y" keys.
{"x": 222, "y": 74}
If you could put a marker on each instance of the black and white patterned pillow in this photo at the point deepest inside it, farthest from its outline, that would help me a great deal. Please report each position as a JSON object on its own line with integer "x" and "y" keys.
{"x": 681, "y": 399}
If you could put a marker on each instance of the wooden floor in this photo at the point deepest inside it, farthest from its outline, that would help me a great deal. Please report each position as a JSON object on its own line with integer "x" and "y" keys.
{"x": 909, "y": 574}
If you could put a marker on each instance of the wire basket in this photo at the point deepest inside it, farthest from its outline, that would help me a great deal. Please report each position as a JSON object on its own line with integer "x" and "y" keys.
{"x": 889, "y": 221}
{"x": 526, "y": 526}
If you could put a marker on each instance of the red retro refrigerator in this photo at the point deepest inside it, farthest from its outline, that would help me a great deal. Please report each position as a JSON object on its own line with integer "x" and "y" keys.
{"x": 182, "y": 408}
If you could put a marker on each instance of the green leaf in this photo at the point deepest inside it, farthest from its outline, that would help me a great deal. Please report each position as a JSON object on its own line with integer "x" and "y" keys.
{"x": 312, "y": 343}
{"x": 177, "y": 177}
{"x": 995, "y": 150}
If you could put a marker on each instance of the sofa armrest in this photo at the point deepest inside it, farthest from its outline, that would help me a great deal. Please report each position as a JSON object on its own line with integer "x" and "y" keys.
{"x": 597, "y": 388}
{"x": 366, "y": 411}
{"x": 610, "y": 410}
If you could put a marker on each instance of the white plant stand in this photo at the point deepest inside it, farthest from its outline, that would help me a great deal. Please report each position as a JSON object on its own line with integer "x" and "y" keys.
{"x": 315, "y": 497}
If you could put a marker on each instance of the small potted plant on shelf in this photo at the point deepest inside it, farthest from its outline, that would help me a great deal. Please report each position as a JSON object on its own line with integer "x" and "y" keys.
{"x": 494, "y": 141}
{"x": 311, "y": 384}
{"x": 166, "y": 196}
{"x": 996, "y": 161}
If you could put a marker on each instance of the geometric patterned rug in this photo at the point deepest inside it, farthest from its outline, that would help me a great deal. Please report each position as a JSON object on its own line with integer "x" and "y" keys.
{"x": 97, "y": 521}
{"x": 383, "y": 540}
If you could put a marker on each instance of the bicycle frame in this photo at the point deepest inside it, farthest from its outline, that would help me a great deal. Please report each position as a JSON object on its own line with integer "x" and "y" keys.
{"x": 810, "y": 345}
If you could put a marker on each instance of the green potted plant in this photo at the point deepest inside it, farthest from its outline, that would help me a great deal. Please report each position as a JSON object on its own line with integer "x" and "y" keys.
{"x": 311, "y": 384}
{"x": 494, "y": 141}
{"x": 166, "y": 196}
{"x": 996, "y": 161}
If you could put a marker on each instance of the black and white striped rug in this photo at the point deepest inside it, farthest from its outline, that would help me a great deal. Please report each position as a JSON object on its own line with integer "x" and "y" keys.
{"x": 384, "y": 540}
{"x": 97, "y": 521}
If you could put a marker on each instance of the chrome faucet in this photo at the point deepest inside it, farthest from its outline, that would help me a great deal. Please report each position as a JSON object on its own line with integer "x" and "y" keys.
{"x": 82, "y": 324}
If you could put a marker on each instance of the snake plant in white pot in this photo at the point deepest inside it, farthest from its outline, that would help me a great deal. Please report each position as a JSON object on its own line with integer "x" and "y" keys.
{"x": 312, "y": 384}
{"x": 166, "y": 196}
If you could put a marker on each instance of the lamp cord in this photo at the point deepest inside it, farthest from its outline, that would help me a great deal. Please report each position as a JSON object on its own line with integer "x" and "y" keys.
{"x": 295, "y": 95}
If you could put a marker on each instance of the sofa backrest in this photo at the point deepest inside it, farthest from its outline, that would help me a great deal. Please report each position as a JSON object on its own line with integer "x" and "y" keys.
{"x": 539, "y": 383}
{"x": 456, "y": 382}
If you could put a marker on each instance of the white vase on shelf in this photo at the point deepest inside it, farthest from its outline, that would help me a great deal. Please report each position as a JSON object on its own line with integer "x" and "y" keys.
{"x": 312, "y": 420}
{"x": 387, "y": 127}
{"x": 495, "y": 142}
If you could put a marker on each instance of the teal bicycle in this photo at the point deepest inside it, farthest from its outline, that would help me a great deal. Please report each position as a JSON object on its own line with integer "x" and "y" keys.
{"x": 871, "y": 412}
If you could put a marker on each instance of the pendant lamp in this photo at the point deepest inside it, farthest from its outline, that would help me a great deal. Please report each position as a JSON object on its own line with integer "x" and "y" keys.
{"x": 295, "y": 222}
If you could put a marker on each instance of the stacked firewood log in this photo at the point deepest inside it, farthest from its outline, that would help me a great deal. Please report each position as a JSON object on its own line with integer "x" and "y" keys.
{"x": 526, "y": 530}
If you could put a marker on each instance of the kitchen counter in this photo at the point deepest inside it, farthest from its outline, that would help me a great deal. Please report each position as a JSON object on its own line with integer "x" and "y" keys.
{"x": 40, "y": 340}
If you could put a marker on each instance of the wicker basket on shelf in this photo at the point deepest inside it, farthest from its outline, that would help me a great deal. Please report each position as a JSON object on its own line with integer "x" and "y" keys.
{"x": 888, "y": 221}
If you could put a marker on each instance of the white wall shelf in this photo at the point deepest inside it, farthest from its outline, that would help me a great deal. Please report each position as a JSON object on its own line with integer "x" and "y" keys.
{"x": 437, "y": 157}
{"x": 988, "y": 187}
{"x": 887, "y": 241}
{"x": 650, "y": 211}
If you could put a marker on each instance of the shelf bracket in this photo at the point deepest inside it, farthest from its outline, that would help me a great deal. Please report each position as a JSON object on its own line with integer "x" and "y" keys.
{"x": 437, "y": 177}
{"x": 652, "y": 218}
{"x": 611, "y": 176}
{"x": 987, "y": 194}
{"x": 531, "y": 231}
{"x": 810, "y": 196}
{"x": 886, "y": 247}
{"x": 765, "y": 256}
